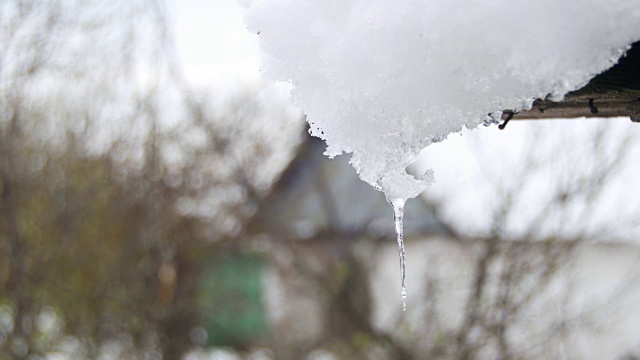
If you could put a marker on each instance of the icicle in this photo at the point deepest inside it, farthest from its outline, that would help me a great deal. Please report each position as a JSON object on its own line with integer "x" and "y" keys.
{"x": 398, "y": 214}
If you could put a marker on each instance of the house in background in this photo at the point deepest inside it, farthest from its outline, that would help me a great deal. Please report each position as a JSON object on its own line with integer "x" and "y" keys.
{"x": 332, "y": 283}
{"x": 322, "y": 228}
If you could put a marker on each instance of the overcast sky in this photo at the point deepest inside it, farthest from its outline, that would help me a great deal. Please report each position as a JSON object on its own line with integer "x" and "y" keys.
{"x": 215, "y": 47}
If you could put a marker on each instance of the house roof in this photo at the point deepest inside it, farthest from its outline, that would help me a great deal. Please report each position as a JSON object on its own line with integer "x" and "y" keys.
{"x": 317, "y": 195}
{"x": 615, "y": 92}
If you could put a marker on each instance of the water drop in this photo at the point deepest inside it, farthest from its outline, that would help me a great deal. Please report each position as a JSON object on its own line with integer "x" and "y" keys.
{"x": 404, "y": 299}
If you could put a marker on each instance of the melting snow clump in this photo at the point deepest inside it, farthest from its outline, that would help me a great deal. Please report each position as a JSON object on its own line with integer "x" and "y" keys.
{"x": 383, "y": 79}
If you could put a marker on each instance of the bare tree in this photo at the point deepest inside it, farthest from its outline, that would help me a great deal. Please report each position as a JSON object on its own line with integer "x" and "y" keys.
{"x": 116, "y": 181}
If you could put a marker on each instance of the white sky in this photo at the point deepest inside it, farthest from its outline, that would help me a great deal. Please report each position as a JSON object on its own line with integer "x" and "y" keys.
{"x": 214, "y": 45}
{"x": 474, "y": 172}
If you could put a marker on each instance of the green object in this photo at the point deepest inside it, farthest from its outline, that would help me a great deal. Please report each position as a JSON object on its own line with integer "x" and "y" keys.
{"x": 231, "y": 300}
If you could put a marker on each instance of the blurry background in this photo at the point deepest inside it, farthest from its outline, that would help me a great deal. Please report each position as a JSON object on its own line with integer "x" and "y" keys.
{"x": 159, "y": 201}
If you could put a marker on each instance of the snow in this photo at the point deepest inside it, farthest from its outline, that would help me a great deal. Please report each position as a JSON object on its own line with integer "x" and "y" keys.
{"x": 384, "y": 79}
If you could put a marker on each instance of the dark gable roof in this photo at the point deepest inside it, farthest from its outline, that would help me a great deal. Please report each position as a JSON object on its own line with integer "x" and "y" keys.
{"x": 316, "y": 195}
